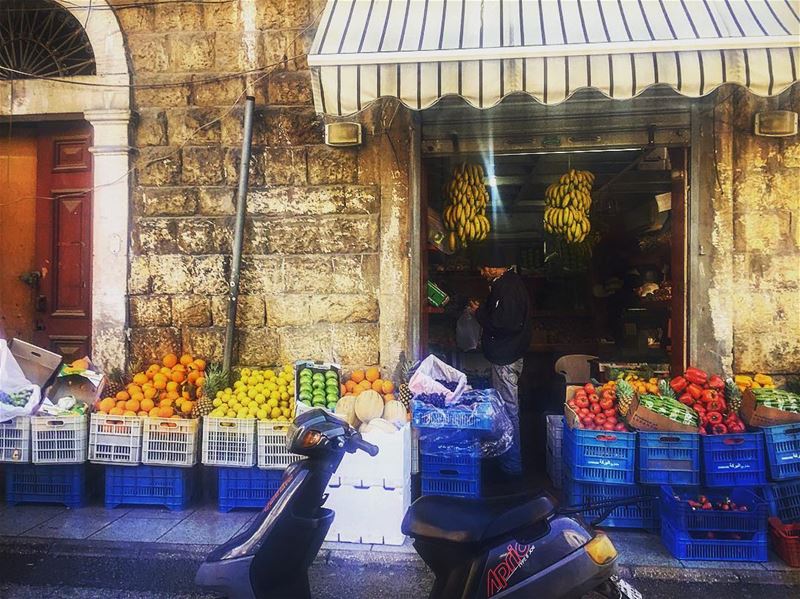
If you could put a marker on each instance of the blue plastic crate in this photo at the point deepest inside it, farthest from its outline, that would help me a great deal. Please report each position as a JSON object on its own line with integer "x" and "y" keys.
{"x": 735, "y": 460}
{"x": 477, "y": 417}
{"x": 33, "y": 483}
{"x": 783, "y": 451}
{"x": 676, "y": 511}
{"x": 749, "y": 548}
{"x": 639, "y": 515}
{"x": 669, "y": 458}
{"x": 784, "y": 500}
{"x": 247, "y": 487}
{"x": 149, "y": 485}
{"x": 459, "y": 476}
{"x": 599, "y": 456}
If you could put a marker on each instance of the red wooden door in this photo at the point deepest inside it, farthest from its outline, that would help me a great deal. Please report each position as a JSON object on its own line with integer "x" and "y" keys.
{"x": 63, "y": 302}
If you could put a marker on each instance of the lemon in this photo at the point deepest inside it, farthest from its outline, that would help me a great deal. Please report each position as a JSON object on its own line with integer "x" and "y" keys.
{"x": 260, "y": 398}
{"x": 276, "y": 412}
{"x": 269, "y": 374}
{"x": 285, "y": 396}
{"x": 275, "y": 395}
{"x": 260, "y": 387}
{"x": 216, "y": 403}
{"x": 252, "y": 393}
{"x": 286, "y": 411}
{"x": 272, "y": 403}
{"x": 230, "y": 414}
{"x": 252, "y": 408}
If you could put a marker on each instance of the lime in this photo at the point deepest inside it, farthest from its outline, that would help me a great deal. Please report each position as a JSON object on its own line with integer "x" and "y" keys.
{"x": 318, "y": 376}
{"x": 332, "y": 405}
{"x": 332, "y": 397}
{"x": 318, "y": 385}
{"x": 331, "y": 374}
{"x": 305, "y": 396}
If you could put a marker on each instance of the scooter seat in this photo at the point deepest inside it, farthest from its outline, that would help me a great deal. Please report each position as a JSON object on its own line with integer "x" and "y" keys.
{"x": 460, "y": 520}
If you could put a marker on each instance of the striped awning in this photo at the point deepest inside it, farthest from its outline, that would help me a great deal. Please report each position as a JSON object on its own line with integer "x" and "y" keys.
{"x": 483, "y": 50}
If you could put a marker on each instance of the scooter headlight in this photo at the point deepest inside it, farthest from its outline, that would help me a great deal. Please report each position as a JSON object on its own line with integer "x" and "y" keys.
{"x": 601, "y": 549}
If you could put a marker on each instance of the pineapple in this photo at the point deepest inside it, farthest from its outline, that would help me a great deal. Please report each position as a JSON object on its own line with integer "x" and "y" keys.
{"x": 624, "y": 396}
{"x": 404, "y": 394}
{"x": 733, "y": 396}
{"x": 664, "y": 390}
{"x": 115, "y": 383}
{"x": 216, "y": 380}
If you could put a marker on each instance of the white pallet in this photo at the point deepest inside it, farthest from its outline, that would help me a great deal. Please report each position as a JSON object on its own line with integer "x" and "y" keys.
{"x": 115, "y": 439}
{"x": 15, "y": 440}
{"x": 271, "y": 441}
{"x": 369, "y": 515}
{"x": 59, "y": 439}
{"x": 390, "y": 468}
{"x": 169, "y": 441}
{"x": 229, "y": 442}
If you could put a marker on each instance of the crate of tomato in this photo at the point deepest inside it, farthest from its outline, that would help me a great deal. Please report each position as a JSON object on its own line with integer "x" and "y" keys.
{"x": 593, "y": 408}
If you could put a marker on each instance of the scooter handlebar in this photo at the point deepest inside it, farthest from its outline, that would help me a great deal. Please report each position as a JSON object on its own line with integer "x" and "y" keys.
{"x": 365, "y": 446}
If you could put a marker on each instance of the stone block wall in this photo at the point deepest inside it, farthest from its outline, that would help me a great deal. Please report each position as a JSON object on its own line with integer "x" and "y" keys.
{"x": 326, "y": 243}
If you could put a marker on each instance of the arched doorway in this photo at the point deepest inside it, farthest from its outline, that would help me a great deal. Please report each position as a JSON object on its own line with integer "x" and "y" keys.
{"x": 74, "y": 71}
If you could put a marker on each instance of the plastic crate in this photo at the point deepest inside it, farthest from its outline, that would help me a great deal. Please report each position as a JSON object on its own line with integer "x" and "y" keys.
{"x": 458, "y": 476}
{"x": 28, "y": 483}
{"x": 555, "y": 469}
{"x": 555, "y": 433}
{"x": 477, "y": 417}
{"x": 784, "y": 500}
{"x": 669, "y": 458}
{"x": 59, "y": 439}
{"x": 750, "y": 548}
{"x": 639, "y": 515}
{"x": 246, "y": 487}
{"x": 600, "y": 456}
{"x": 734, "y": 460}
{"x": 272, "y": 451}
{"x": 169, "y": 441}
{"x": 676, "y": 512}
{"x": 785, "y": 541}
{"x": 149, "y": 485}
{"x": 783, "y": 451}
{"x": 229, "y": 442}
{"x": 115, "y": 439}
{"x": 15, "y": 440}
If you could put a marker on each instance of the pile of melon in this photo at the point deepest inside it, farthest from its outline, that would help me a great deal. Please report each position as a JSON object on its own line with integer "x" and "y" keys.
{"x": 367, "y": 412}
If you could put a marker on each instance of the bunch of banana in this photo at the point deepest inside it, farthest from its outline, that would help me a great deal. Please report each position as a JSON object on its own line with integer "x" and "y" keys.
{"x": 567, "y": 205}
{"x": 464, "y": 214}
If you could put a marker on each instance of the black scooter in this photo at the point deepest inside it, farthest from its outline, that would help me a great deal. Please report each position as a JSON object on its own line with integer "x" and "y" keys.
{"x": 513, "y": 547}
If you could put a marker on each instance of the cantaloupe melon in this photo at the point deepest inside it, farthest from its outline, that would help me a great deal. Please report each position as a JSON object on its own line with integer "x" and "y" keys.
{"x": 394, "y": 411}
{"x": 346, "y": 410}
{"x": 369, "y": 405}
{"x": 379, "y": 424}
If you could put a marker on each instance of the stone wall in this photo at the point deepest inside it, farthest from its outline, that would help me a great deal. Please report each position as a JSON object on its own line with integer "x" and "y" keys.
{"x": 326, "y": 243}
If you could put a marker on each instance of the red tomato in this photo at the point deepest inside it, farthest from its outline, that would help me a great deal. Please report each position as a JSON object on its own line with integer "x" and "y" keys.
{"x": 620, "y": 427}
{"x": 582, "y": 402}
{"x": 571, "y": 403}
{"x": 612, "y": 419}
{"x": 600, "y": 419}
{"x": 595, "y": 408}
{"x": 607, "y": 403}
{"x": 587, "y": 420}
{"x": 608, "y": 426}
{"x": 594, "y": 398}
{"x": 589, "y": 388}
{"x": 610, "y": 412}
{"x": 584, "y": 412}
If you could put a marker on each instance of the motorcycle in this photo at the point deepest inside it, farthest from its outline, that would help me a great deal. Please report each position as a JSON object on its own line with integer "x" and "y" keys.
{"x": 504, "y": 548}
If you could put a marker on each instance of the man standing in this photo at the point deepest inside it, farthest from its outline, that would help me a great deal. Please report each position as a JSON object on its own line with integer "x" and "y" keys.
{"x": 506, "y": 318}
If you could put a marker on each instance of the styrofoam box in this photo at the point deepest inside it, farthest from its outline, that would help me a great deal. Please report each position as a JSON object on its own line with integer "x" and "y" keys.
{"x": 115, "y": 439}
{"x": 390, "y": 468}
{"x": 15, "y": 440}
{"x": 59, "y": 439}
{"x": 369, "y": 515}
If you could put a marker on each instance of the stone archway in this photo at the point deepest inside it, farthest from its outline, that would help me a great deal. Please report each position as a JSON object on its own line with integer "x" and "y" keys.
{"x": 103, "y": 100}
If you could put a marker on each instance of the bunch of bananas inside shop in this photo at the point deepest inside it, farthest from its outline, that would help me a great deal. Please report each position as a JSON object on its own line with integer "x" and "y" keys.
{"x": 464, "y": 214}
{"x": 567, "y": 205}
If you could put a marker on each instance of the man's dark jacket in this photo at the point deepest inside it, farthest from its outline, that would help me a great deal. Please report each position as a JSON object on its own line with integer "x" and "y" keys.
{"x": 506, "y": 318}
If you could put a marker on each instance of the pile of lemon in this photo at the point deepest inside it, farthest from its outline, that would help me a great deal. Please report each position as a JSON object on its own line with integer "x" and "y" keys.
{"x": 258, "y": 394}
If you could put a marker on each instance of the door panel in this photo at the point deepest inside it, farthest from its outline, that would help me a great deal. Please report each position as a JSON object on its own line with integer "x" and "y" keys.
{"x": 63, "y": 240}
{"x": 679, "y": 159}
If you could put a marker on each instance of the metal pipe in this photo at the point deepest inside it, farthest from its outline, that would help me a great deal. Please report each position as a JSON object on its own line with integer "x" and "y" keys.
{"x": 238, "y": 238}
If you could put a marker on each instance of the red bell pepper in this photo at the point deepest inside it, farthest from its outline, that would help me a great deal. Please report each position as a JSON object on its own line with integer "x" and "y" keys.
{"x": 708, "y": 395}
{"x": 702, "y": 430}
{"x": 678, "y": 384}
{"x": 715, "y": 382}
{"x": 686, "y": 399}
{"x": 716, "y": 405}
{"x": 714, "y": 418}
{"x": 695, "y": 390}
{"x": 696, "y": 376}
{"x": 719, "y": 429}
{"x": 699, "y": 408}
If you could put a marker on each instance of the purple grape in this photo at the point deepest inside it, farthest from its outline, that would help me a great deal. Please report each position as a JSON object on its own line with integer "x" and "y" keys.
{"x": 450, "y": 385}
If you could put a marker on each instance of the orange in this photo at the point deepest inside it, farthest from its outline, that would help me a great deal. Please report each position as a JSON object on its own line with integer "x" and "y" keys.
{"x": 166, "y": 412}
{"x": 172, "y": 386}
{"x": 142, "y": 413}
{"x": 167, "y": 372}
{"x": 201, "y": 380}
{"x": 388, "y": 387}
{"x": 186, "y": 359}
{"x": 173, "y": 395}
{"x": 186, "y": 395}
{"x": 132, "y": 405}
{"x": 128, "y": 413}
{"x": 364, "y": 386}
{"x": 121, "y": 403}
{"x": 152, "y": 369}
{"x": 170, "y": 360}
{"x": 193, "y": 376}
{"x": 160, "y": 384}
{"x": 132, "y": 387}
{"x": 146, "y": 404}
{"x": 154, "y": 412}
{"x": 342, "y": 389}
{"x": 107, "y": 404}
{"x": 377, "y": 386}
{"x": 388, "y": 397}
{"x": 186, "y": 407}
{"x": 140, "y": 378}
{"x": 199, "y": 364}
{"x": 150, "y": 392}
{"x": 357, "y": 376}
{"x": 350, "y": 386}
{"x": 373, "y": 374}
{"x": 177, "y": 376}
{"x": 117, "y": 412}
{"x": 166, "y": 403}
{"x": 137, "y": 396}
{"x": 123, "y": 395}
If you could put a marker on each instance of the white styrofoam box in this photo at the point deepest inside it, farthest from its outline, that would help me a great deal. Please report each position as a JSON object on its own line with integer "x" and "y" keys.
{"x": 390, "y": 468}
{"x": 272, "y": 452}
{"x": 59, "y": 439}
{"x": 115, "y": 439}
{"x": 229, "y": 442}
{"x": 169, "y": 441}
{"x": 369, "y": 515}
{"x": 15, "y": 440}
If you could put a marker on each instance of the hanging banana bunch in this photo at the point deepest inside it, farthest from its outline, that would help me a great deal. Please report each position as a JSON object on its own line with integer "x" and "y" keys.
{"x": 464, "y": 214}
{"x": 567, "y": 205}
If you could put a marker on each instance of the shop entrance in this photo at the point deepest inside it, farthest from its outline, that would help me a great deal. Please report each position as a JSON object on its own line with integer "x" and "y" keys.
{"x": 45, "y": 222}
{"x": 620, "y": 293}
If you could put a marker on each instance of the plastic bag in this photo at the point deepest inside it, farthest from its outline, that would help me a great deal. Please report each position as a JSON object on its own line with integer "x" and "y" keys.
{"x": 432, "y": 370}
{"x": 477, "y": 425}
{"x": 18, "y": 396}
{"x": 468, "y": 331}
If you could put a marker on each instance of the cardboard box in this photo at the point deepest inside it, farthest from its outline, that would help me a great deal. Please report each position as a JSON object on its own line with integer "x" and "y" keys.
{"x": 85, "y": 386}
{"x": 760, "y": 416}
{"x": 641, "y": 418}
{"x": 38, "y": 364}
{"x": 569, "y": 414}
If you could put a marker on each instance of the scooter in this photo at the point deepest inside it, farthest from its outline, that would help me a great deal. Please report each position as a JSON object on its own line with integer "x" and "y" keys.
{"x": 504, "y": 548}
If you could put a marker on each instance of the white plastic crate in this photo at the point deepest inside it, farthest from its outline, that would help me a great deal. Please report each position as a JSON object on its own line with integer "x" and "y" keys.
{"x": 414, "y": 451}
{"x": 390, "y": 468}
{"x": 59, "y": 439}
{"x": 229, "y": 442}
{"x": 369, "y": 515}
{"x": 169, "y": 441}
{"x": 271, "y": 440}
{"x": 15, "y": 440}
{"x": 115, "y": 439}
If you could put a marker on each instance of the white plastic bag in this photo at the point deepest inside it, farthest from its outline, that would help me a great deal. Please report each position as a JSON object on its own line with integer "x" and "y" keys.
{"x": 432, "y": 370}
{"x": 468, "y": 331}
{"x": 12, "y": 380}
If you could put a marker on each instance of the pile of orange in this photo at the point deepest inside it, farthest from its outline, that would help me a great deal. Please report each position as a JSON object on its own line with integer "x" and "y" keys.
{"x": 363, "y": 380}
{"x": 168, "y": 390}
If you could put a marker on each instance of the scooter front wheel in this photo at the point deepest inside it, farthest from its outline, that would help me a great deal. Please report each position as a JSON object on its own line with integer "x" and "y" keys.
{"x": 617, "y": 588}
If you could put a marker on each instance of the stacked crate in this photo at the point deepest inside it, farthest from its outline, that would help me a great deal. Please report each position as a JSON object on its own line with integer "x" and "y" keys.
{"x": 555, "y": 468}
{"x": 783, "y": 493}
